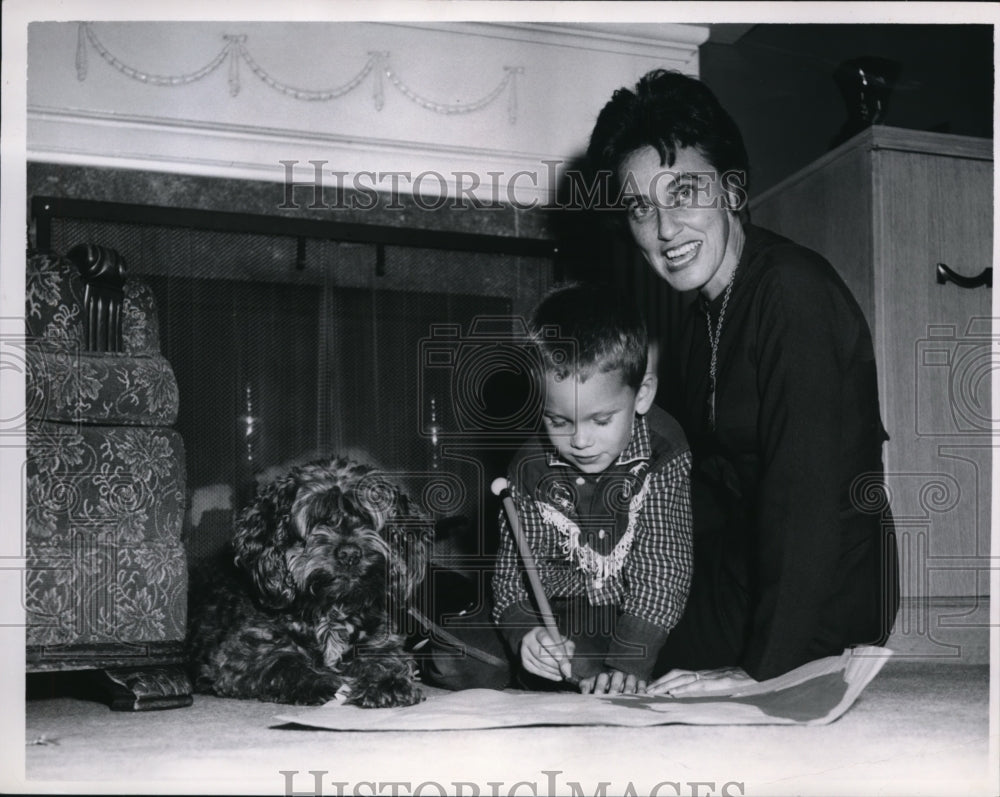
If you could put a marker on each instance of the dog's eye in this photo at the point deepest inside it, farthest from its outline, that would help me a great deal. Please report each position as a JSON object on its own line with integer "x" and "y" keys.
{"x": 322, "y": 530}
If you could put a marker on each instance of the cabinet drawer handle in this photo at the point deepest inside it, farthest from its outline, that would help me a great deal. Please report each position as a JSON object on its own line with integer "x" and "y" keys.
{"x": 945, "y": 274}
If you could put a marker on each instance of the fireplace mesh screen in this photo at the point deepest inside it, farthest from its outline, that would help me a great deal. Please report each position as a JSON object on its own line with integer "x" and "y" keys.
{"x": 286, "y": 348}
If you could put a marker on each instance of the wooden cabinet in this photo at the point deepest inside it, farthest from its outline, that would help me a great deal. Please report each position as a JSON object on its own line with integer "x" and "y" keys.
{"x": 885, "y": 208}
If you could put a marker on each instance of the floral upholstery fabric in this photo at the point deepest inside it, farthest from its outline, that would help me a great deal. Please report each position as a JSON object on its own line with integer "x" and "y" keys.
{"x": 105, "y": 473}
{"x": 108, "y": 388}
{"x": 104, "y": 513}
{"x": 67, "y": 383}
{"x": 54, "y": 306}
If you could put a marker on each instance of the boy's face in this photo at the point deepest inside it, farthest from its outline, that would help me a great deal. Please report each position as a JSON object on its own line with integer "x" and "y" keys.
{"x": 590, "y": 422}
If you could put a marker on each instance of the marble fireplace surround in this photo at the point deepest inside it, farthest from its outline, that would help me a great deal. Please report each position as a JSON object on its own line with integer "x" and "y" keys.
{"x": 532, "y": 228}
{"x": 269, "y": 198}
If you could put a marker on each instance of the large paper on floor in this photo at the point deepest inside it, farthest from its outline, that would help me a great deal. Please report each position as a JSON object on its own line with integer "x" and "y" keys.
{"x": 814, "y": 694}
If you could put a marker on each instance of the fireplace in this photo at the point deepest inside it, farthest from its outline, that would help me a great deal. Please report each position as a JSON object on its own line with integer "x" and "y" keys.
{"x": 297, "y": 336}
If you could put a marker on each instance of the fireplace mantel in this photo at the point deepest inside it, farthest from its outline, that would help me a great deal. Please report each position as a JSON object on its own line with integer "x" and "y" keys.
{"x": 492, "y": 110}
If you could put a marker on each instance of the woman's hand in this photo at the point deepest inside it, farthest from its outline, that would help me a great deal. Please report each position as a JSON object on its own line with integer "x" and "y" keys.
{"x": 541, "y": 655}
{"x": 691, "y": 683}
{"x": 612, "y": 682}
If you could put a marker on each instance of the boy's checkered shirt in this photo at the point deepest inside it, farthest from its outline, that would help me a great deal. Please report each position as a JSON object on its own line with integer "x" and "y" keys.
{"x": 655, "y": 576}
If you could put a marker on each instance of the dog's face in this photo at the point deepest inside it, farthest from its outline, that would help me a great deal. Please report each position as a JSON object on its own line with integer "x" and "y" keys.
{"x": 332, "y": 533}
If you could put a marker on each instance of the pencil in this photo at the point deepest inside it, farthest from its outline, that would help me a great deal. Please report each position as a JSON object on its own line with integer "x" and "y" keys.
{"x": 501, "y": 489}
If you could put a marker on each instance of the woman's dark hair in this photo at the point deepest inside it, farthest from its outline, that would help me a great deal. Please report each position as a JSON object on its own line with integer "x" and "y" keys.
{"x": 666, "y": 111}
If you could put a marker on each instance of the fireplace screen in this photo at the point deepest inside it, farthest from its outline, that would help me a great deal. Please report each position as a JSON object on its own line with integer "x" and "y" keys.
{"x": 286, "y": 347}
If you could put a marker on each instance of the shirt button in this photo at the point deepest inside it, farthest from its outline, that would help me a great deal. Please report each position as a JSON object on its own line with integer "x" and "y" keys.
{"x": 580, "y": 480}
{"x": 601, "y": 534}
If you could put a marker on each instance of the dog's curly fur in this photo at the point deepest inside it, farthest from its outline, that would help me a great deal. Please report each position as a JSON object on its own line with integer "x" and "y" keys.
{"x": 323, "y": 562}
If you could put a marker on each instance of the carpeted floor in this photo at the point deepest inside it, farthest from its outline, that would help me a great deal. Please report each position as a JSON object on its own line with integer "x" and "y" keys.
{"x": 920, "y": 728}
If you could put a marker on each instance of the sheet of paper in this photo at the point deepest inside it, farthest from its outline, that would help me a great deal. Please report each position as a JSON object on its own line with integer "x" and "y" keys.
{"x": 814, "y": 694}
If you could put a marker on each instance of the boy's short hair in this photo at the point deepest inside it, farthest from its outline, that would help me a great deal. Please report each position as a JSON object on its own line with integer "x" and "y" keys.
{"x": 583, "y": 328}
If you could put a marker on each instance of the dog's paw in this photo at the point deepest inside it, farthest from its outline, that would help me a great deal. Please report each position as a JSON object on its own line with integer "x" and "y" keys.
{"x": 385, "y": 693}
{"x": 313, "y": 691}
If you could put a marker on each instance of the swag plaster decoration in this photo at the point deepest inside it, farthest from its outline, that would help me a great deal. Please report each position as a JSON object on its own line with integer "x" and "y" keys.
{"x": 235, "y": 50}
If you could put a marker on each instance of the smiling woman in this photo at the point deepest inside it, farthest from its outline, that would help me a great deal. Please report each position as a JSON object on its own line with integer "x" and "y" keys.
{"x": 773, "y": 380}
{"x": 691, "y": 243}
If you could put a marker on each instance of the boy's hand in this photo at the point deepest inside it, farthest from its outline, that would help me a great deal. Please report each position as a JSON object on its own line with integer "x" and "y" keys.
{"x": 541, "y": 655}
{"x": 612, "y": 682}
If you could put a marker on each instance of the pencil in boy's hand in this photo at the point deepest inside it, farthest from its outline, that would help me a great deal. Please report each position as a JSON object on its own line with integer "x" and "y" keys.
{"x": 501, "y": 489}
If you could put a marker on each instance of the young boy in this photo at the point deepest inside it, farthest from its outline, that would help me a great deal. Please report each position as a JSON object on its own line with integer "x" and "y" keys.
{"x": 602, "y": 501}
{"x": 604, "y": 504}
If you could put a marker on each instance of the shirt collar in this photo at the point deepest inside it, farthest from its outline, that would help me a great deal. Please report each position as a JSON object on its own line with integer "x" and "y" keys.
{"x": 638, "y": 448}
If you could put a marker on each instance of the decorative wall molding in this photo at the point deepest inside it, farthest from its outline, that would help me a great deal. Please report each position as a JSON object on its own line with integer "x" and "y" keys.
{"x": 235, "y": 50}
{"x": 214, "y": 149}
{"x": 106, "y": 94}
{"x": 676, "y": 44}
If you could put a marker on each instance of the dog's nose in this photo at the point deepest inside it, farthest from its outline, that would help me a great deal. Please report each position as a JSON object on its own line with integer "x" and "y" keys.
{"x": 348, "y": 555}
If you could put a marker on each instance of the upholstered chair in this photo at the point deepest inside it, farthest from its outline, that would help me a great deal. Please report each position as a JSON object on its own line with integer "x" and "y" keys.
{"x": 106, "y": 579}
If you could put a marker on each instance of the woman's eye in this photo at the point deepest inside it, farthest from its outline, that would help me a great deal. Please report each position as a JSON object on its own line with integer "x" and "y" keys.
{"x": 639, "y": 210}
{"x": 555, "y": 423}
{"x": 602, "y": 421}
{"x": 681, "y": 196}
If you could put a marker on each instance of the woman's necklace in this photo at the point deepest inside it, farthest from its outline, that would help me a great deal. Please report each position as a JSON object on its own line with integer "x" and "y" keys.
{"x": 713, "y": 342}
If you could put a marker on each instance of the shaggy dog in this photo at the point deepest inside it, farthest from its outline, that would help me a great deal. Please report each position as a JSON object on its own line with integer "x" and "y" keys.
{"x": 307, "y": 603}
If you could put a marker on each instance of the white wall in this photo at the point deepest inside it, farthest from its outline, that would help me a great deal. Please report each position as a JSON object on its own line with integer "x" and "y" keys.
{"x": 82, "y": 109}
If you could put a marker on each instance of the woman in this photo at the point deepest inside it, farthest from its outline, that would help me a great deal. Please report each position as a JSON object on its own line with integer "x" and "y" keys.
{"x": 773, "y": 379}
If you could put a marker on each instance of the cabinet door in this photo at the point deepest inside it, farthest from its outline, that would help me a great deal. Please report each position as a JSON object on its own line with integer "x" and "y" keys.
{"x": 935, "y": 356}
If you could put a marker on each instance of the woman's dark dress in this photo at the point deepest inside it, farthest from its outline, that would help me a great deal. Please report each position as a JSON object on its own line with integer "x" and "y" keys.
{"x": 794, "y": 553}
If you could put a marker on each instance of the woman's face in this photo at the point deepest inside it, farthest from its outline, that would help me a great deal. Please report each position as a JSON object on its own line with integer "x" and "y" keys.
{"x": 680, "y": 219}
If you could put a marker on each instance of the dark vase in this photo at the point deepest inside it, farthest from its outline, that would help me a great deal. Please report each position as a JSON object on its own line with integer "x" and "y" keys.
{"x": 865, "y": 84}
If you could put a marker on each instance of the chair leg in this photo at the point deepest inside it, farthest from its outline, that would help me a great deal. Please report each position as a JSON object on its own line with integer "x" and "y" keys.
{"x": 145, "y": 688}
